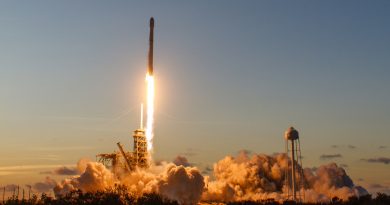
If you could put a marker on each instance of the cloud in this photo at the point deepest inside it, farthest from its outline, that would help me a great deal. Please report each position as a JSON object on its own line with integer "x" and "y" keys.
{"x": 348, "y": 146}
{"x": 384, "y": 160}
{"x": 58, "y": 149}
{"x": 330, "y": 156}
{"x": 181, "y": 160}
{"x": 66, "y": 171}
{"x": 382, "y": 147}
{"x": 46, "y": 172}
{"x": 47, "y": 185}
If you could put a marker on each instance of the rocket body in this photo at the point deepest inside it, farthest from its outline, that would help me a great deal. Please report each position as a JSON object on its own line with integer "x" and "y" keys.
{"x": 150, "y": 54}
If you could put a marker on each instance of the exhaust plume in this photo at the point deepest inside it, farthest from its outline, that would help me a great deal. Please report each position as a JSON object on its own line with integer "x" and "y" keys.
{"x": 182, "y": 184}
{"x": 149, "y": 112}
{"x": 244, "y": 177}
{"x": 261, "y": 177}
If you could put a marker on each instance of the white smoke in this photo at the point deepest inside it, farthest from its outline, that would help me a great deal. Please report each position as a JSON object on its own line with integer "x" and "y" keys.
{"x": 94, "y": 178}
{"x": 182, "y": 184}
{"x": 330, "y": 181}
{"x": 240, "y": 178}
{"x": 261, "y": 177}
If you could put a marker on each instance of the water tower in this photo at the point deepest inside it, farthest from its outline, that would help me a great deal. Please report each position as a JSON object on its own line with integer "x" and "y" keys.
{"x": 294, "y": 172}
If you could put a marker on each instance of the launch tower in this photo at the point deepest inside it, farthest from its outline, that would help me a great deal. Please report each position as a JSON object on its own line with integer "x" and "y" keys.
{"x": 140, "y": 152}
{"x": 123, "y": 160}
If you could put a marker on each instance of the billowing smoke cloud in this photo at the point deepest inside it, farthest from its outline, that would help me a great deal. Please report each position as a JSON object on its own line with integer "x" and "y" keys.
{"x": 262, "y": 177}
{"x": 182, "y": 184}
{"x": 330, "y": 156}
{"x": 94, "y": 178}
{"x": 244, "y": 177}
{"x": 181, "y": 160}
{"x": 330, "y": 181}
{"x": 384, "y": 160}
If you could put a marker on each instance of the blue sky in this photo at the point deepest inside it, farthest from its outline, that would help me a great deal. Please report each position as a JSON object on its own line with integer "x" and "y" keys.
{"x": 229, "y": 76}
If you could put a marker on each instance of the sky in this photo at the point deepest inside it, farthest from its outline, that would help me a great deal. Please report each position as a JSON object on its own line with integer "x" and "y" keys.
{"x": 229, "y": 76}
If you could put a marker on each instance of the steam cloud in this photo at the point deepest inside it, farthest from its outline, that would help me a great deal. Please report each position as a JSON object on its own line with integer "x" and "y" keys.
{"x": 244, "y": 177}
{"x": 94, "y": 178}
{"x": 182, "y": 184}
{"x": 261, "y": 177}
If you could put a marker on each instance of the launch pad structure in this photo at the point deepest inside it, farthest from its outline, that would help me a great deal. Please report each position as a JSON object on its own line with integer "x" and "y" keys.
{"x": 128, "y": 161}
{"x": 121, "y": 160}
